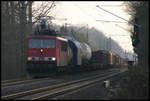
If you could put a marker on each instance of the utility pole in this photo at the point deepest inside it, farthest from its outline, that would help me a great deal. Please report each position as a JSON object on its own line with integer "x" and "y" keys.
{"x": 104, "y": 44}
{"x": 87, "y": 33}
{"x": 66, "y": 27}
{"x": 110, "y": 42}
{"x": 107, "y": 44}
{"x": 125, "y": 54}
{"x": 61, "y": 19}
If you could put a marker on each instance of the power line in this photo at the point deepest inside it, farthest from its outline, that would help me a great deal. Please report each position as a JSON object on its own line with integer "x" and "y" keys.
{"x": 122, "y": 28}
{"x": 118, "y": 16}
{"x": 111, "y": 21}
{"x": 84, "y": 11}
{"x": 118, "y": 35}
{"x": 101, "y": 20}
{"x": 114, "y": 5}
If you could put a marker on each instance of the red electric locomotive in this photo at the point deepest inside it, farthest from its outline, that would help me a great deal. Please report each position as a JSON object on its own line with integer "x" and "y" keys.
{"x": 45, "y": 53}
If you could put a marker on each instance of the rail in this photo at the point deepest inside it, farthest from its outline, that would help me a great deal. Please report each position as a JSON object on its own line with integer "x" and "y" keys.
{"x": 69, "y": 86}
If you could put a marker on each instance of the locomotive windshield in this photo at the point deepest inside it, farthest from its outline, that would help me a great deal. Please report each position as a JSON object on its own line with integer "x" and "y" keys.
{"x": 41, "y": 43}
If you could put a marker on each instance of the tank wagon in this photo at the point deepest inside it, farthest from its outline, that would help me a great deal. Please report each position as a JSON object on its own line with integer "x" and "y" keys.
{"x": 86, "y": 53}
{"x": 81, "y": 51}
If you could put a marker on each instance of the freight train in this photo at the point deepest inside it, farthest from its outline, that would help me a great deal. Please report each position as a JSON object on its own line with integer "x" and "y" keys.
{"x": 48, "y": 51}
{"x": 52, "y": 52}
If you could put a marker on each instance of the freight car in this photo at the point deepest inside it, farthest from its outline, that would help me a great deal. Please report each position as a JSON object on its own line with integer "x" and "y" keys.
{"x": 86, "y": 53}
{"x": 81, "y": 51}
{"x": 115, "y": 59}
{"x": 106, "y": 59}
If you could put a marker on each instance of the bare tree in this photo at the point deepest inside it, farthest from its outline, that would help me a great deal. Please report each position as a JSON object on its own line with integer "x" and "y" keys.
{"x": 42, "y": 11}
{"x": 17, "y": 21}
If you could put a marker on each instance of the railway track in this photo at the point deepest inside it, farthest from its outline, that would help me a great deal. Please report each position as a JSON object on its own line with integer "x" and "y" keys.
{"x": 58, "y": 89}
{"x": 12, "y": 80}
{"x": 70, "y": 88}
{"x": 11, "y": 83}
{"x": 7, "y": 83}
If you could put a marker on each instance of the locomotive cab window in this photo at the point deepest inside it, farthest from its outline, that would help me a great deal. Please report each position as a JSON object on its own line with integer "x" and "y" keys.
{"x": 63, "y": 46}
{"x": 41, "y": 43}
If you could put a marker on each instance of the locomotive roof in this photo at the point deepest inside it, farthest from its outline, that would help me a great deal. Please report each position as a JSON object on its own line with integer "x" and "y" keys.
{"x": 48, "y": 36}
{"x": 43, "y": 36}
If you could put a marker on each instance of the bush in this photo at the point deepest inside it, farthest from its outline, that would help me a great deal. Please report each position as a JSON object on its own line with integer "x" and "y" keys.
{"x": 134, "y": 86}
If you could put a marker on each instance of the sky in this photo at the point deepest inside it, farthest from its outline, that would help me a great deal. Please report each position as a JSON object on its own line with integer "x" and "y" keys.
{"x": 86, "y": 12}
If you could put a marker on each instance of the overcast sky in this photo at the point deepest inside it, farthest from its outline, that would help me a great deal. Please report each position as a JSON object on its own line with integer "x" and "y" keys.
{"x": 86, "y": 12}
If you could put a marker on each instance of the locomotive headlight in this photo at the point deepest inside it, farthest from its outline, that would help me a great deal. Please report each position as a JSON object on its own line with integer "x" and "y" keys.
{"x": 29, "y": 58}
{"x": 41, "y": 50}
{"x": 53, "y": 59}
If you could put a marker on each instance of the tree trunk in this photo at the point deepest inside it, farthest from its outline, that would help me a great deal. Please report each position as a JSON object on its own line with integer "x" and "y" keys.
{"x": 30, "y": 17}
{"x": 22, "y": 33}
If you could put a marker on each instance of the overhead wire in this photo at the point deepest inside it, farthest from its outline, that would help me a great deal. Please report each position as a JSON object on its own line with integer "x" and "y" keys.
{"x": 117, "y": 16}
{"x": 114, "y": 5}
{"x": 94, "y": 18}
{"x": 86, "y": 13}
{"x": 100, "y": 20}
{"x": 115, "y": 21}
